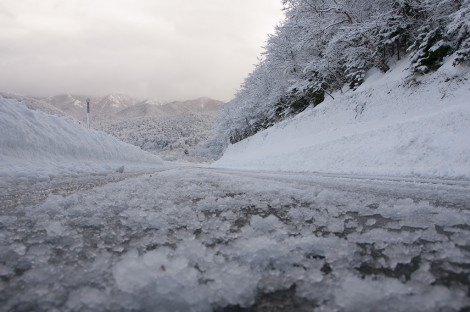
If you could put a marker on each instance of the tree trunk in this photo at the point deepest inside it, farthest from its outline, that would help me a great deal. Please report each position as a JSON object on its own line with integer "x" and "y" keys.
{"x": 383, "y": 66}
{"x": 398, "y": 49}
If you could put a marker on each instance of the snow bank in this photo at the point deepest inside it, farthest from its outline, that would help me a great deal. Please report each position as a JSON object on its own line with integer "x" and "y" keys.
{"x": 38, "y": 146}
{"x": 393, "y": 124}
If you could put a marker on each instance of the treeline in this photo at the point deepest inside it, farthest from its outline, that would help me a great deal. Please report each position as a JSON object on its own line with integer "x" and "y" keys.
{"x": 323, "y": 45}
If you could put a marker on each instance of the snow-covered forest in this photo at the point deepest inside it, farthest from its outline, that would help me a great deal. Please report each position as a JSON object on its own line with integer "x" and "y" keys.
{"x": 328, "y": 45}
{"x": 174, "y": 137}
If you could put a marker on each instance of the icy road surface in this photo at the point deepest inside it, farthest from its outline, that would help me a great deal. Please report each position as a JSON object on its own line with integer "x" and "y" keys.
{"x": 196, "y": 239}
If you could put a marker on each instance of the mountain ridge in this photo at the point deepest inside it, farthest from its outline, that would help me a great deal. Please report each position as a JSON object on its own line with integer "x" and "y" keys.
{"x": 114, "y": 106}
{"x": 199, "y": 105}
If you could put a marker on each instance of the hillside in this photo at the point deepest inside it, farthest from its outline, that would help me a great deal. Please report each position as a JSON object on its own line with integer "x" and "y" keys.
{"x": 360, "y": 87}
{"x": 174, "y": 131}
{"x": 394, "y": 125}
{"x": 323, "y": 47}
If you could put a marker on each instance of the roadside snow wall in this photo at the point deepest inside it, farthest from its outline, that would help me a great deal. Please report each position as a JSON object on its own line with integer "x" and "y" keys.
{"x": 35, "y": 145}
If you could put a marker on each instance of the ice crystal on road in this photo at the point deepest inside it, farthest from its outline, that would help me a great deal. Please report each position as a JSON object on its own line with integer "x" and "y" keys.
{"x": 211, "y": 240}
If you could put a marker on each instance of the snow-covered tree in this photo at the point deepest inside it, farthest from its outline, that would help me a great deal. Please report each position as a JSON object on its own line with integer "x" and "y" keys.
{"x": 459, "y": 31}
{"x": 324, "y": 45}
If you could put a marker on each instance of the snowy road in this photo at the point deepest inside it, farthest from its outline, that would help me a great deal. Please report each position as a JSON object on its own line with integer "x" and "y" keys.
{"x": 198, "y": 239}
{"x": 28, "y": 193}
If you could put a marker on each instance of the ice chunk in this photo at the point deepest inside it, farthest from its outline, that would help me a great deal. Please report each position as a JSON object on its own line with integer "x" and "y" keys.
{"x": 134, "y": 272}
{"x": 55, "y": 228}
{"x": 87, "y": 298}
{"x": 269, "y": 224}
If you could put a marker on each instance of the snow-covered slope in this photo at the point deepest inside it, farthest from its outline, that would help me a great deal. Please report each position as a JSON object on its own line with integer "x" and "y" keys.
{"x": 394, "y": 124}
{"x": 38, "y": 146}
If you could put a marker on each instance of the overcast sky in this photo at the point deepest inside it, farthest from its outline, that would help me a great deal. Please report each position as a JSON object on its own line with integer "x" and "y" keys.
{"x": 160, "y": 49}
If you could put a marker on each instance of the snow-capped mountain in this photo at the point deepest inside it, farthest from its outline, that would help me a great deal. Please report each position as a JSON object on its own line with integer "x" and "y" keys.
{"x": 113, "y": 103}
{"x": 101, "y": 107}
{"x": 114, "y": 106}
{"x": 72, "y": 105}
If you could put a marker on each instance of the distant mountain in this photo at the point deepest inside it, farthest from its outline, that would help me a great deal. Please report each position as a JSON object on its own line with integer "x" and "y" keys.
{"x": 112, "y": 104}
{"x": 146, "y": 109}
{"x": 141, "y": 110}
{"x": 101, "y": 107}
{"x": 72, "y": 105}
{"x": 202, "y": 105}
{"x": 115, "y": 106}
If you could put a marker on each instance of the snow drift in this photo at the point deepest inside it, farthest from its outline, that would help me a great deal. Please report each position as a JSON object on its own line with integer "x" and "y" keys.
{"x": 35, "y": 145}
{"x": 395, "y": 124}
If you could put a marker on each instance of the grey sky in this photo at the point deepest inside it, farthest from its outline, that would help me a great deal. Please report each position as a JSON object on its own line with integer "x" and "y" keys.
{"x": 161, "y": 49}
